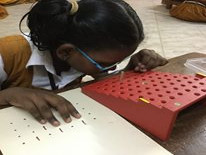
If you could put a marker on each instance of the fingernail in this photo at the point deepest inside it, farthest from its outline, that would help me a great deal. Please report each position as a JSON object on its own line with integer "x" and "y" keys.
{"x": 136, "y": 68}
{"x": 68, "y": 120}
{"x": 56, "y": 123}
{"x": 43, "y": 121}
{"x": 77, "y": 115}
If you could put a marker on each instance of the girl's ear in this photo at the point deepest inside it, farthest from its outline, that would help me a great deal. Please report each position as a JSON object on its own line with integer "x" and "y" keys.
{"x": 65, "y": 51}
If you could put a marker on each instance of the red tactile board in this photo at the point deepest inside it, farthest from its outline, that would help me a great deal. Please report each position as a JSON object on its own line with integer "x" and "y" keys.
{"x": 168, "y": 94}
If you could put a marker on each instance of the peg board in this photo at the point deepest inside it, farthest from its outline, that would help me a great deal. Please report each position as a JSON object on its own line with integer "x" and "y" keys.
{"x": 167, "y": 94}
{"x": 99, "y": 132}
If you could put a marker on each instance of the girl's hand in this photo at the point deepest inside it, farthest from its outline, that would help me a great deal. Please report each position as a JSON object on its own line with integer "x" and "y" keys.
{"x": 39, "y": 103}
{"x": 145, "y": 60}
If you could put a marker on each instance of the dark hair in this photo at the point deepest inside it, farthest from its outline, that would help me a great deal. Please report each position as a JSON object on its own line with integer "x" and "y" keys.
{"x": 98, "y": 24}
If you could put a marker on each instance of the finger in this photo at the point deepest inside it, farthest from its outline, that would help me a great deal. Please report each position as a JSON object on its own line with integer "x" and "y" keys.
{"x": 73, "y": 111}
{"x": 33, "y": 110}
{"x": 148, "y": 58}
{"x": 47, "y": 113}
{"x": 63, "y": 106}
{"x": 63, "y": 110}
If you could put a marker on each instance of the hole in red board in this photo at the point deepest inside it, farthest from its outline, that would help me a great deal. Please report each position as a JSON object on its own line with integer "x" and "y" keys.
{"x": 113, "y": 90}
{"x": 160, "y": 95}
{"x": 128, "y": 80}
{"x": 129, "y": 84}
{"x": 196, "y": 79}
{"x": 121, "y": 92}
{"x": 140, "y": 96}
{"x": 168, "y": 79}
{"x": 113, "y": 86}
{"x": 178, "y": 80}
{"x": 171, "y": 83}
{"x": 201, "y": 83}
{"x": 172, "y": 97}
{"x": 106, "y": 85}
{"x": 194, "y": 86}
{"x": 157, "y": 89}
{"x": 197, "y": 94}
{"x": 185, "y": 77}
{"x": 152, "y": 80}
{"x": 175, "y": 76}
{"x": 189, "y": 82}
{"x": 154, "y": 85}
{"x": 156, "y": 74}
{"x": 204, "y": 90}
{"x": 180, "y": 93}
{"x": 98, "y": 87}
{"x": 175, "y": 88}
{"x": 159, "y": 78}
{"x": 151, "y": 99}
{"x": 105, "y": 88}
{"x": 168, "y": 91}
{"x": 139, "y": 91}
{"x": 164, "y": 86}
{"x": 149, "y": 93}
{"x": 137, "y": 86}
{"x": 163, "y": 101}
{"x": 147, "y": 88}
{"x": 165, "y": 75}
{"x": 182, "y": 85}
{"x": 161, "y": 81}
{"x": 130, "y": 89}
{"x": 131, "y": 95}
{"x": 187, "y": 90}
{"x": 136, "y": 81}
{"x": 150, "y": 76}
{"x": 121, "y": 87}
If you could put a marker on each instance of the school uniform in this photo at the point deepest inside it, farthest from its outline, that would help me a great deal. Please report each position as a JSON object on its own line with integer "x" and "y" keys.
{"x": 23, "y": 65}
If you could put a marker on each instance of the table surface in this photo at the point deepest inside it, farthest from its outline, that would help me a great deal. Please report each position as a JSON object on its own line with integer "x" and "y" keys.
{"x": 189, "y": 133}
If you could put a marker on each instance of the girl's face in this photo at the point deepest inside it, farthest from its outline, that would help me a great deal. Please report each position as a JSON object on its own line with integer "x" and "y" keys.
{"x": 104, "y": 58}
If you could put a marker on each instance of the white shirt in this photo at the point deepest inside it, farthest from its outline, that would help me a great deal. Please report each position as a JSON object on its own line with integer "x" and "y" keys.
{"x": 42, "y": 63}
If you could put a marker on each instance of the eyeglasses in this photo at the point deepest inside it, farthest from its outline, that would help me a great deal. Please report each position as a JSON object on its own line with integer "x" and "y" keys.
{"x": 98, "y": 66}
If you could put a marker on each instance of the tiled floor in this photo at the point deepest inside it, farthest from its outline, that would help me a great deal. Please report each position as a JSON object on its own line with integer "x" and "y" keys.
{"x": 168, "y": 36}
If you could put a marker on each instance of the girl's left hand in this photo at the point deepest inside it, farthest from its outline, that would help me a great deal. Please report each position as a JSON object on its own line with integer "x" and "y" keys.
{"x": 145, "y": 60}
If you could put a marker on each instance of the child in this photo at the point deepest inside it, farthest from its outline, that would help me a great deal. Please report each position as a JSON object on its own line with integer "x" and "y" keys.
{"x": 66, "y": 41}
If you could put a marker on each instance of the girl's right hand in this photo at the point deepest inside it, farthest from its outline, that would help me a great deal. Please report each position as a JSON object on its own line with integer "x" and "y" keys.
{"x": 39, "y": 103}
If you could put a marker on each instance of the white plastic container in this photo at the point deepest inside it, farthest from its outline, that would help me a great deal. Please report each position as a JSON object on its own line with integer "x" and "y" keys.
{"x": 197, "y": 65}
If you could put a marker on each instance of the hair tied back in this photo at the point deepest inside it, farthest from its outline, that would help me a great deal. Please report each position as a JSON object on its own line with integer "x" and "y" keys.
{"x": 74, "y": 7}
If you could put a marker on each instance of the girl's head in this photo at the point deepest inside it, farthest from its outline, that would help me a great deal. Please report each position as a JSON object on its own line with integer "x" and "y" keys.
{"x": 106, "y": 30}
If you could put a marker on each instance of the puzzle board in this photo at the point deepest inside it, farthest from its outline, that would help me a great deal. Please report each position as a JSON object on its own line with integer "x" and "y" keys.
{"x": 99, "y": 132}
{"x": 151, "y": 100}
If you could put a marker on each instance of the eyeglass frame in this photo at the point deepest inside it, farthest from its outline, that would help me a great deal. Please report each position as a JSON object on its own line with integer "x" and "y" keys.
{"x": 97, "y": 65}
